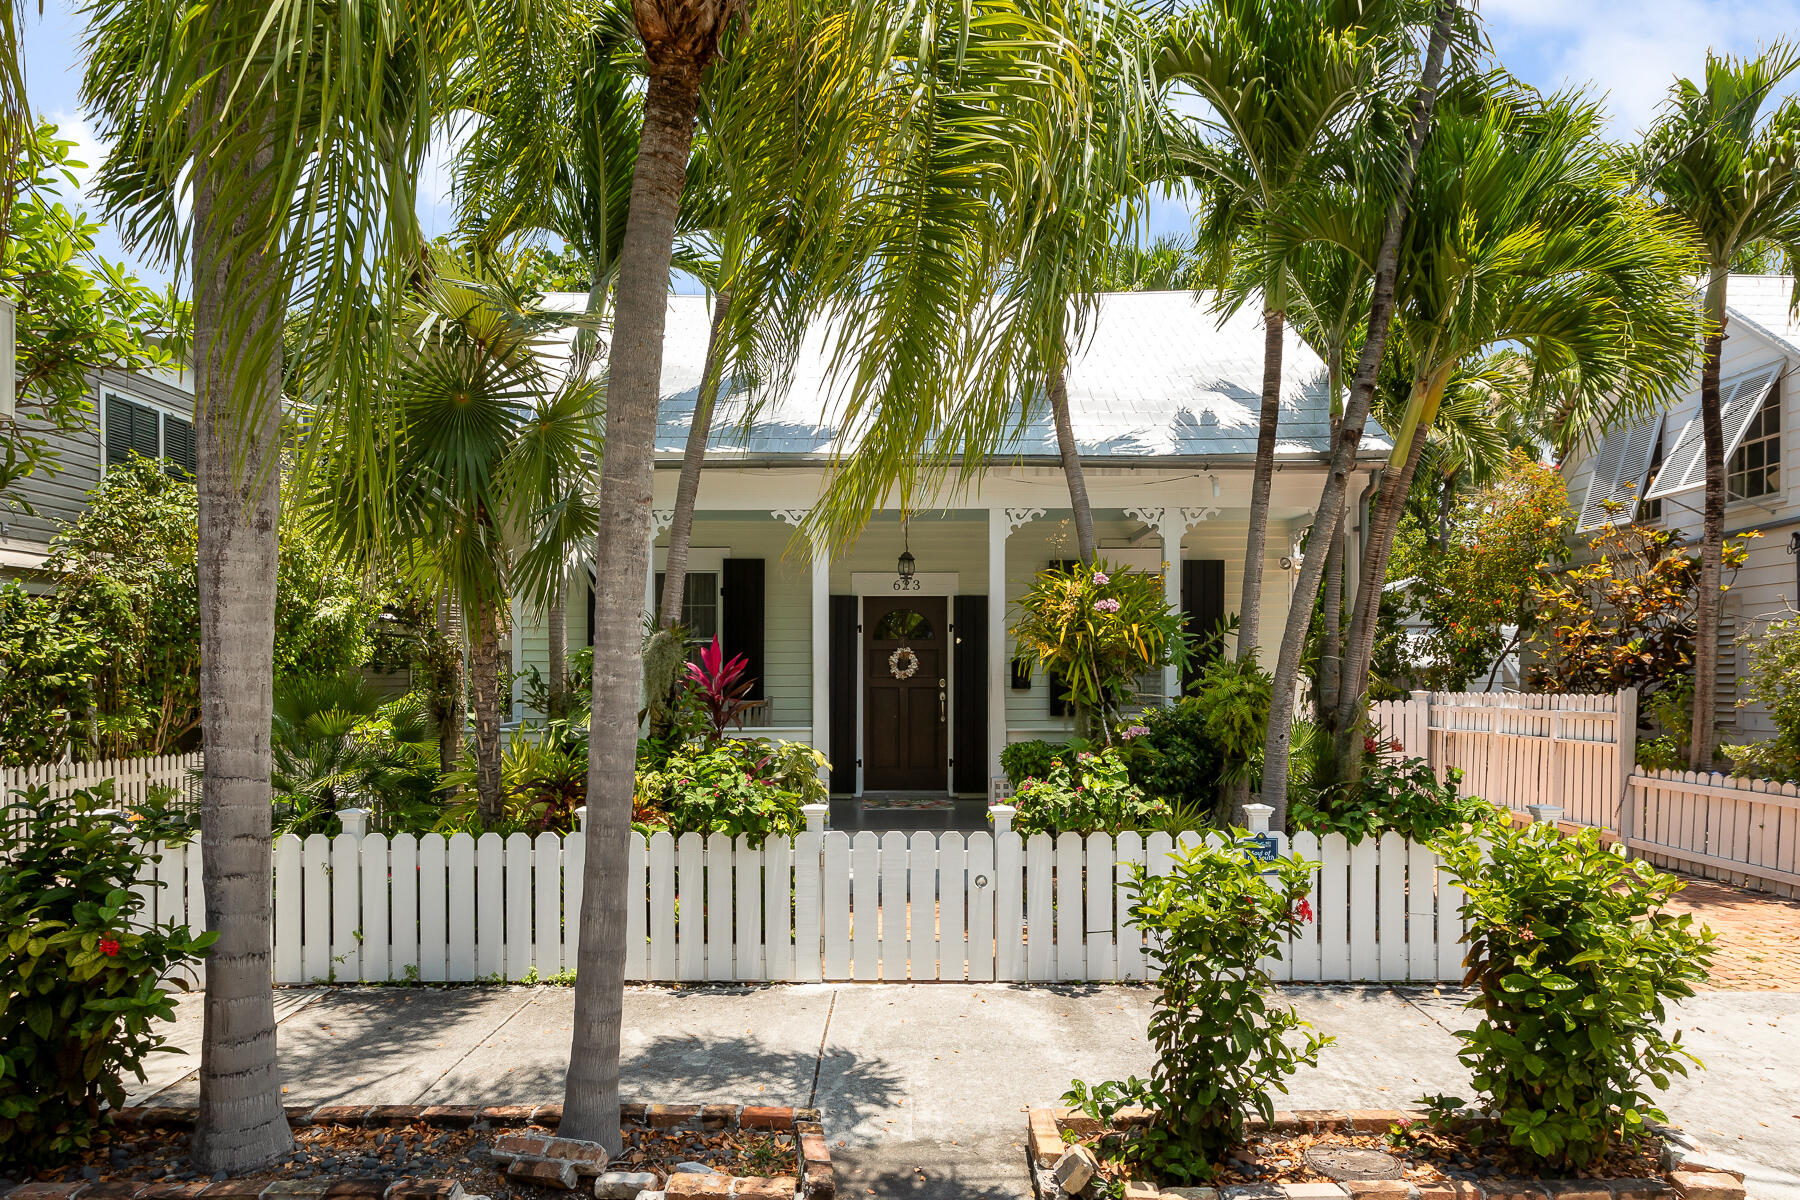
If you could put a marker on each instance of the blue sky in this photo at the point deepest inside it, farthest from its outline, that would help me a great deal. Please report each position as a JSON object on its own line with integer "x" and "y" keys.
{"x": 1627, "y": 50}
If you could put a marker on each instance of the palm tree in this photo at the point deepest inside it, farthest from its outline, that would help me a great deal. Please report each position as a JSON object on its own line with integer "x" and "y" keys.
{"x": 1348, "y": 436}
{"x": 1733, "y": 176}
{"x": 680, "y": 39}
{"x": 302, "y": 219}
{"x": 1279, "y": 77}
{"x": 1520, "y": 233}
{"x": 552, "y": 154}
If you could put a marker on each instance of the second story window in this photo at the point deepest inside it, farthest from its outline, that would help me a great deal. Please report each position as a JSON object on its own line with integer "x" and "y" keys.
{"x": 1755, "y": 469}
{"x": 132, "y": 425}
{"x": 1651, "y": 510}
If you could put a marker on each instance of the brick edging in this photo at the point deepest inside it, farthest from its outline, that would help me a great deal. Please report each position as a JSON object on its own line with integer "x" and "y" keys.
{"x": 1045, "y": 1148}
{"x": 813, "y": 1178}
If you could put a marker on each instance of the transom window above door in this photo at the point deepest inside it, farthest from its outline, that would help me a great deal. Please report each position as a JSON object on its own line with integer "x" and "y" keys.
{"x": 903, "y": 624}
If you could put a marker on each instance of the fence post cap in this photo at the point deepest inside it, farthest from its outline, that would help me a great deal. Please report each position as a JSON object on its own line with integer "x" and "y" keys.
{"x": 817, "y": 816}
{"x": 1258, "y": 815}
{"x": 581, "y": 818}
{"x": 1002, "y": 816}
{"x": 355, "y": 821}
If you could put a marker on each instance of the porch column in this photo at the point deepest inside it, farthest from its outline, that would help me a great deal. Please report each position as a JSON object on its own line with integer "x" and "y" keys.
{"x": 997, "y": 681}
{"x": 1001, "y": 524}
{"x": 821, "y": 630}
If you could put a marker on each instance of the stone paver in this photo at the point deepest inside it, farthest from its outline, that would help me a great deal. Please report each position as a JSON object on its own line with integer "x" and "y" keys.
{"x": 1758, "y": 947}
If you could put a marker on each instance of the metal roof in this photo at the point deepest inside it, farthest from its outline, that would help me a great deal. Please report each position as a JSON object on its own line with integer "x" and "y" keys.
{"x": 1158, "y": 376}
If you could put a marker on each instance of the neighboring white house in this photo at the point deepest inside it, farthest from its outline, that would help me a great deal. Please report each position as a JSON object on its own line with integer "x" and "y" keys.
{"x": 1164, "y": 403}
{"x": 1654, "y": 469}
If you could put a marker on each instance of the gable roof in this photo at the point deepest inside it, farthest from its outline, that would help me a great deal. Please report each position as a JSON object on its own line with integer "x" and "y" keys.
{"x": 1157, "y": 377}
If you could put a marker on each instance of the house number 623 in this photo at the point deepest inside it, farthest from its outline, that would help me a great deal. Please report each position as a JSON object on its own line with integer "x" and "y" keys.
{"x": 906, "y": 585}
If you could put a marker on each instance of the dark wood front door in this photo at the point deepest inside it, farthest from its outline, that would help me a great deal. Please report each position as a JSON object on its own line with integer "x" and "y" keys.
{"x": 905, "y": 720}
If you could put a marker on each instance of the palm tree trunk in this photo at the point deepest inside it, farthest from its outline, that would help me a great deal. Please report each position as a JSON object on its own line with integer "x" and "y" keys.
{"x": 1256, "y": 538}
{"x": 484, "y": 686}
{"x": 693, "y": 458}
{"x": 1359, "y": 644}
{"x": 448, "y": 680}
{"x": 1071, "y": 465}
{"x": 1712, "y": 536}
{"x": 622, "y": 550}
{"x": 1280, "y": 733}
{"x": 557, "y": 618}
{"x": 1331, "y": 625}
{"x": 240, "y": 1124}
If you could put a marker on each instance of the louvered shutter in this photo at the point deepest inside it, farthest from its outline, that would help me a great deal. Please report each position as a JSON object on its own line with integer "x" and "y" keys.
{"x": 840, "y": 739}
{"x": 1684, "y": 467}
{"x": 741, "y": 624}
{"x": 969, "y": 739}
{"x": 1203, "y": 603}
{"x": 1619, "y": 471}
{"x": 118, "y": 429}
{"x": 178, "y": 444}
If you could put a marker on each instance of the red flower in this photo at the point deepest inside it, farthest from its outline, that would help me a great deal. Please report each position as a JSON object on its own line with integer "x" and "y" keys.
{"x": 109, "y": 947}
{"x": 1305, "y": 911}
{"x": 1395, "y": 746}
{"x": 1369, "y": 745}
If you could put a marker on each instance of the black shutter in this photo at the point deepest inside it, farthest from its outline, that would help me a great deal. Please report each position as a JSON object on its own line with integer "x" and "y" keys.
{"x": 590, "y": 613}
{"x": 178, "y": 445}
{"x": 842, "y": 674}
{"x": 144, "y": 437}
{"x": 1059, "y": 687}
{"x": 1203, "y": 600}
{"x": 741, "y": 624}
{"x": 118, "y": 430}
{"x": 970, "y": 736}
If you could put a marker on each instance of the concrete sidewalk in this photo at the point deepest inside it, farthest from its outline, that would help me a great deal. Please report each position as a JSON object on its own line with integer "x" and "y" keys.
{"x": 923, "y": 1087}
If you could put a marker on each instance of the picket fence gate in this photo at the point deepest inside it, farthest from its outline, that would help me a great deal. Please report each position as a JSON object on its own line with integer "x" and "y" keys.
{"x": 1743, "y": 831}
{"x": 821, "y": 906}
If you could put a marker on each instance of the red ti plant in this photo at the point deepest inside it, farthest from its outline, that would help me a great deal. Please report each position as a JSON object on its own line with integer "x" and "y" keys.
{"x": 721, "y": 686}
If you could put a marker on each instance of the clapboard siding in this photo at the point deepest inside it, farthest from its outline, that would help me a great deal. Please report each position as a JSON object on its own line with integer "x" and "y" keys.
{"x": 1765, "y": 589}
{"x": 60, "y": 496}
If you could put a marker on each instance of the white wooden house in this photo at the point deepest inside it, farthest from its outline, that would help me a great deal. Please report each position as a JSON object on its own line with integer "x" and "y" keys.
{"x": 1654, "y": 470}
{"x": 1164, "y": 402}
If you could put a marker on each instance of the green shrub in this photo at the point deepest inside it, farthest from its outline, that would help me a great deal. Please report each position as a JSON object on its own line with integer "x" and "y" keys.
{"x": 1212, "y": 922}
{"x": 1401, "y": 794}
{"x": 1171, "y": 755}
{"x": 1085, "y": 793}
{"x": 1032, "y": 760}
{"x": 752, "y": 787}
{"x": 1573, "y": 962}
{"x": 82, "y": 987}
{"x": 1774, "y": 683}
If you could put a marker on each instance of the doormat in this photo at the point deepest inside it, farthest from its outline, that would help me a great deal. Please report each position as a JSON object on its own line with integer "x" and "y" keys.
{"x": 878, "y": 803}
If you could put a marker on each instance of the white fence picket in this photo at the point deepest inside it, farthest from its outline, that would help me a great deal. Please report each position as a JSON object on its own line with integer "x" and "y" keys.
{"x": 374, "y": 945}
{"x": 288, "y": 886}
{"x": 1009, "y": 907}
{"x": 546, "y": 905}
{"x": 982, "y": 894}
{"x": 746, "y": 936}
{"x": 664, "y": 948}
{"x": 515, "y": 926}
{"x": 403, "y": 906}
{"x": 1302, "y": 954}
{"x": 865, "y": 906}
{"x": 459, "y": 866}
{"x": 812, "y": 950}
{"x": 1128, "y": 938}
{"x": 1071, "y": 949}
{"x": 891, "y": 941}
{"x": 690, "y": 881}
{"x": 315, "y": 869}
{"x": 952, "y": 889}
{"x": 1040, "y": 908}
{"x": 777, "y": 857}
{"x": 836, "y": 915}
{"x": 434, "y": 927}
{"x": 921, "y": 911}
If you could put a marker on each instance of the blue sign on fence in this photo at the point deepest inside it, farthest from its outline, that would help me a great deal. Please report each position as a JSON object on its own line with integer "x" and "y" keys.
{"x": 1263, "y": 847}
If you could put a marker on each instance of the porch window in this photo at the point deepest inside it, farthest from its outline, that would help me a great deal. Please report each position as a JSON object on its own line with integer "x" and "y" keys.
{"x": 699, "y": 605}
{"x": 134, "y": 426}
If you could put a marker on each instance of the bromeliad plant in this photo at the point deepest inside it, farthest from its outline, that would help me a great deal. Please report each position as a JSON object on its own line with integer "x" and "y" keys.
{"x": 84, "y": 985}
{"x": 1573, "y": 963}
{"x": 721, "y": 686}
{"x": 1212, "y": 922}
{"x": 1096, "y": 629}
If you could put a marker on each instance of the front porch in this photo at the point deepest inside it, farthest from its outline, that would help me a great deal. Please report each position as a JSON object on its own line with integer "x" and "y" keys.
{"x": 909, "y": 685}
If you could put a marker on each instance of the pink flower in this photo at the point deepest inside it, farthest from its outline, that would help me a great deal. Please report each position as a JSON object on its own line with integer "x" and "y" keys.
{"x": 1101, "y": 577}
{"x": 1135, "y": 731}
{"x": 1106, "y": 606}
{"x": 1525, "y": 935}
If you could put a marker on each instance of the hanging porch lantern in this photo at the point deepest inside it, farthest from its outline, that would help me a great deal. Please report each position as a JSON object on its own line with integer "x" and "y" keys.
{"x": 907, "y": 565}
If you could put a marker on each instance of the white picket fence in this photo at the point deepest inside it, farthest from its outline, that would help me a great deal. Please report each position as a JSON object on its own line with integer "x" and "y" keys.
{"x": 132, "y": 779}
{"x": 820, "y": 906}
{"x": 1743, "y": 831}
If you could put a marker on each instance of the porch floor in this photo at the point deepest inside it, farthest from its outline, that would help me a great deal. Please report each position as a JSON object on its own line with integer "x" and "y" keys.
{"x": 879, "y": 812}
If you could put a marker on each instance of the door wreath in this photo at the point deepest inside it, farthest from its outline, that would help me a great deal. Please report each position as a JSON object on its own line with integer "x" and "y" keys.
{"x": 903, "y": 655}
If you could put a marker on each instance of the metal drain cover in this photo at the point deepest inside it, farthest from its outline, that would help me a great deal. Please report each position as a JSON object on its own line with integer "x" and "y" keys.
{"x": 1352, "y": 1162}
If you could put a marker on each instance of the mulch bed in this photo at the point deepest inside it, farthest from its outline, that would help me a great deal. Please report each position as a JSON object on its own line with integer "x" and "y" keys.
{"x": 1426, "y": 1156}
{"x": 328, "y": 1151}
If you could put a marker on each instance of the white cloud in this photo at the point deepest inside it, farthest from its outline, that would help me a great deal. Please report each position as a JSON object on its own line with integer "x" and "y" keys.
{"x": 1629, "y": 50}
{"x": 88, "y": 151}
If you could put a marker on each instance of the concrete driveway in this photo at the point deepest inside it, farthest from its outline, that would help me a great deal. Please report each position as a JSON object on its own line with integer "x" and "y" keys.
{"x": 923, "y": 1087}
